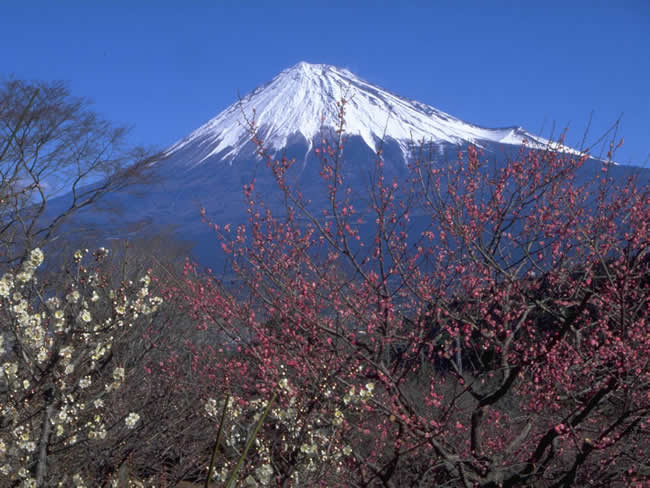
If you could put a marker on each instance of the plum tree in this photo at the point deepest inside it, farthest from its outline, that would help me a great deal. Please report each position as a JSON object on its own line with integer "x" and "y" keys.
{"x": 504, "y": 345}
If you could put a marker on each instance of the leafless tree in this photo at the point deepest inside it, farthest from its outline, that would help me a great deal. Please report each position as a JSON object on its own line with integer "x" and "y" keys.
{"x": 53, "y": 144}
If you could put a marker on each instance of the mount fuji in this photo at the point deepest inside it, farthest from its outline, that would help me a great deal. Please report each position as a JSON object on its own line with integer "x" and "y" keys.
{"x": 292, "y": 114}
{"x": 302, "y": 100}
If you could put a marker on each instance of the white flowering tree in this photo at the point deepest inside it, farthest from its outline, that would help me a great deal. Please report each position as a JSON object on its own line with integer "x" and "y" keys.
{"x": 65, "y": 357}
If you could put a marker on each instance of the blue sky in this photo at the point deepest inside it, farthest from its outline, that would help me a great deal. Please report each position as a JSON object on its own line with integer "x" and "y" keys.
{"x": 167, "y": 67}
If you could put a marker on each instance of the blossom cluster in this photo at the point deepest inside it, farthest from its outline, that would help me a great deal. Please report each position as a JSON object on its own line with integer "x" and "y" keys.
{"x": 313, "y": 438}
{"x": 58, "y": 372}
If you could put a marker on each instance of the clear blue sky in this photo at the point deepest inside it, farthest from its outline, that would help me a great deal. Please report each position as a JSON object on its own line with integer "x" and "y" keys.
{"x": 167, "y": 67}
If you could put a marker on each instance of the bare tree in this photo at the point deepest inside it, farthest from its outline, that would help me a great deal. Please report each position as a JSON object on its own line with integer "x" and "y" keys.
{"x": 53, "y": 144}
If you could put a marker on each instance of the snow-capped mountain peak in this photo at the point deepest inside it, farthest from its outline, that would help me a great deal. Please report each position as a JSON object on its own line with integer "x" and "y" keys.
{"x": 303, "y": 99}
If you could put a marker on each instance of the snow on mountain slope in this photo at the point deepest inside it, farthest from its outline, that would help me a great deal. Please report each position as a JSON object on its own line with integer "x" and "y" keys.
{"x": 302, "y": 99}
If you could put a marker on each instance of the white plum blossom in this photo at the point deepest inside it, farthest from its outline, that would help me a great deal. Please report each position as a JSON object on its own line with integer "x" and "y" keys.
{"x": 264, "y": 473}
{"x": 85, "y": 316}
{"x": 43, "y": 355}
{"x": 78, "y": 481}
{"x": 118, "y": 374}
{"x": 211, "y": 407}
{"x": 6, "y": 284}
{"x": 131, "y": 420}
{"x": 36, "y": 257}
{"x": 10, "y": 369}
{"x": 73, "y": 297}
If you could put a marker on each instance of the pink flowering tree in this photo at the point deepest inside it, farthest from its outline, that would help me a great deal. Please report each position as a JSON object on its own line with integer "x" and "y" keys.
{"x": 503, "y": 343}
